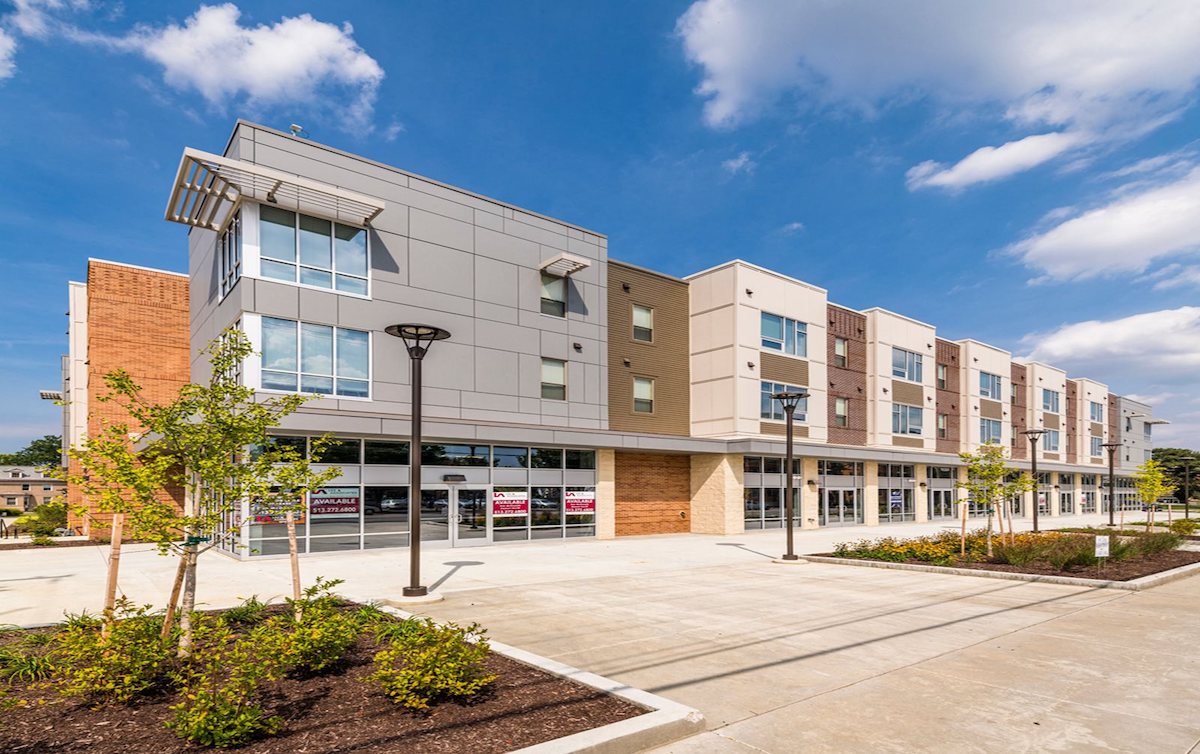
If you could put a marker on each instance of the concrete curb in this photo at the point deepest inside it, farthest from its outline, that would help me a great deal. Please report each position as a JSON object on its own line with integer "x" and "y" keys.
{"x": 1135, "y": 585}
{"x": 666, "y": 722}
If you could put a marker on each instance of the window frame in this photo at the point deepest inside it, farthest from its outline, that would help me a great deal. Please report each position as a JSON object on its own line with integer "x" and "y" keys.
{"x": 231, "y": 254}
{"x": 841, "y": 418}
{"x": 1094, "y": 414}
{"x": 913, "y": 363}
{"x": 545, "y": 384}
{"x": 296, "y": 262}
{"x": 634, "y": 326}
{"x": 637, "y": 410}
{"x": 985, "y": 436}
{"x": 993, "y": 388}
{"x": 1047, "y": 402}
{"x": 841, "y": 359}
{"x": 792, "y": 331}
{"x": 902, "y": 419}
{"x": 1051, "y": 434}
{"x": 799, "y": 416}
{"x": 943, "y": 426}
{"x": 559, "y": 280}
{"x": 299, "y": 371}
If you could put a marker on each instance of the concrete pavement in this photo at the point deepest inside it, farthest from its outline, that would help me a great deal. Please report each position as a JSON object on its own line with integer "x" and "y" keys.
{"x": 780, "y": 658}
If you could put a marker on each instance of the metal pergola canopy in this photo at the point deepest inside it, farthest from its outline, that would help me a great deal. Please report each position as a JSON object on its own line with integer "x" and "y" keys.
{"x": 208, "y": 189}
{"x": 564, "y": 265}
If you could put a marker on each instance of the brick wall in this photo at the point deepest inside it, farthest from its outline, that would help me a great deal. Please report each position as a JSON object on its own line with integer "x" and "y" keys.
{"x": 849, "y": 382}
{"x": 137, "y": 321}
{"x": 651, "y": 490}
{"x": 947, "y": 398}
{"x": 1020, "y": 408}
{"x": 1072, "y": 433}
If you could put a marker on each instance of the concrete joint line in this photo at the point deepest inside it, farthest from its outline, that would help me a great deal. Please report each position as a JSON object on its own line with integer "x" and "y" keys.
{"x": 665, "y": 722}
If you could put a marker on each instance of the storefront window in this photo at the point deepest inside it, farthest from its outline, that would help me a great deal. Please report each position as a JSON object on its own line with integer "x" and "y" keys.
{"x": 382, "y": 452}
{"x": 547, "y": 458}
{"x": 510, "y": 458}
{"x": 455, "y": 455}
{"x": 545, "y": 510}
{"x": 341, "y": 451}
{"x": 581, "y": 459}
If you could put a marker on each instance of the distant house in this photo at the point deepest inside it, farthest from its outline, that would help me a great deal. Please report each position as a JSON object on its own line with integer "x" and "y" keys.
{"x": 23, "y": 488}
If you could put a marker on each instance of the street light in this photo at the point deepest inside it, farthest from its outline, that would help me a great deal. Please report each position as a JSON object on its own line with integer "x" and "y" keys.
{"x": 417, "y": 339}
{"x": 1033, "y": 435}
{"x": 789, "y": 400}
{"x": 1111, "y": 447}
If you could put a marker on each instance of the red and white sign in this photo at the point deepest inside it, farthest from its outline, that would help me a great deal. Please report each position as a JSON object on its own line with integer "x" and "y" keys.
{"x": 329, "y": 501}
{"x": 581, "y": 501}
{"x": 510, "y": 503}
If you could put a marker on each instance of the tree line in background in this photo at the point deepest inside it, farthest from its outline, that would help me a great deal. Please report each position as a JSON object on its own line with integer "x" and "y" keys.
{"x": 44, "y": 451}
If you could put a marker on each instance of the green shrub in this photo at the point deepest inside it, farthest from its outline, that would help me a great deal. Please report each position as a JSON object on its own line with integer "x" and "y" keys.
{"x": 42, "y": 540}
{"x": 320, "y": 638}
{"x": 1020, "y": 553}
{"x": 1158, "y": 542}
{"x": 133, "y": 659}
{"x": 24, "y": 667}
{"x": 250, "y": 612}
{"x": 1067, "y": 552}
{"x": 1185, "y": 526}
{"x": 1121, "y": 548}
{"x": 44, "y": 519}
{"x": 220, "y": 702}
{"x": 428, "y": 662}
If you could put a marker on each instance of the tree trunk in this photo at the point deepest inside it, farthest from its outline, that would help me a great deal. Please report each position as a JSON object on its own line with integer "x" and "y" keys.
{"x": 989, "y": 535}
{"x": 169, "y": 618}
{"x": 114, "y": 567}
{"x": 294, "y": 555}
{"x": 189, "y": 603}
{"x": 962, "y": 546}
{"x": 1012, "y": 536}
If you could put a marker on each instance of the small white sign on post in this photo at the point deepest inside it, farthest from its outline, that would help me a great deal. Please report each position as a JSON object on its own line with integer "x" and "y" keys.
{"x": 1101, "y": 546}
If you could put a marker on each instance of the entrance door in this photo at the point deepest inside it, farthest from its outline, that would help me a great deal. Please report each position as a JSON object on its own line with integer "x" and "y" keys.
{"x": 941, "y": 504}
{"x": 839, "y": 507}
{"x": 469, "y": 517}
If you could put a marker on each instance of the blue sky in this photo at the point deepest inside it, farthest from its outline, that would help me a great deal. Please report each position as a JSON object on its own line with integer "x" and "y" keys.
{"x": 1023, "y": 175}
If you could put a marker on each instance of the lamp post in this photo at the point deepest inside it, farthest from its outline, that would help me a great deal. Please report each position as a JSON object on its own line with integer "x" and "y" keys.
{"x": 789, "y": 399}
{"x": 1033, "y": 435}
{"x": 417, "y": 339}
{"x": 1111, "y": 447}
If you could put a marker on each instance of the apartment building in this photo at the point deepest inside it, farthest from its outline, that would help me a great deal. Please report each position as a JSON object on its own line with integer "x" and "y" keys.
{"x": 23, "y": 488}
{"x": 578, "y": 395}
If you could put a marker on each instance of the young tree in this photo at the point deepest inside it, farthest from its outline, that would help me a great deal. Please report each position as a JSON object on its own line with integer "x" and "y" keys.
{"x": 1152, "y": 483}
{"x": 209, "y": 441}
{"x": 987, "y": 484}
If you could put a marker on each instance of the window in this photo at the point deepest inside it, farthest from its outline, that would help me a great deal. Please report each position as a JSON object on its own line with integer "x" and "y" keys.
{"x": 1051, "y": 441}
{"x": 1146, "y": 426}
{"x": 46, "y": 488}
{"x": 306, "y": 358}
{"x": 906, "y": 420}
{"x": 10, "y": 501}
{"x": 46, "y": 499}
{"x": 1050, "y": 400}
{"x": 643, "y": 395}
{"x": 942, "y": 422}
{"x": 941, "y": 376}
{"x": 1096, "y": 449}
{"x": 839, "y": 468}
{"x": 1096, "y": 411}
{"x": 773, "y": 409}
{"x": 840, "y": 349}
{"x": 554, "y": 379}
{"x": 547, "y": 458}
{"x": 841, "y": 411}
{"x": 24, "y": 488}
{"x": 989, "y": 431}
{"x": 554, "y": 295}
{"x": 643, "y": 323}
{"x": 229, "y": 248}
{"x": 382, "y": 452}
{"x": 342, "y": 451}
{"x": 455, "y": 455}
{"x": 989, "y": 386}
{"x": 785, "y": 335}
{"x": 580, "y": 460}
{"x": 312, "y": 251}
{"x": 906, "y": 365}
{"x": 510, "y": 458}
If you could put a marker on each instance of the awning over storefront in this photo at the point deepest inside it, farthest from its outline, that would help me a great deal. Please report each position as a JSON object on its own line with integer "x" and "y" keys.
{"x": 208, "y": 189}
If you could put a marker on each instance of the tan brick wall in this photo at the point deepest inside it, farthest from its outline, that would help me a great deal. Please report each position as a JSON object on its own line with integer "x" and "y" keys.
{"x": 651, "y": 491}
{"x": 665, "y": 360}
{"x": 137, "y": 321}
{"x": 947, "y": 398}
{"x": 1020, "y": 405}
{"x": 717, "y": 502}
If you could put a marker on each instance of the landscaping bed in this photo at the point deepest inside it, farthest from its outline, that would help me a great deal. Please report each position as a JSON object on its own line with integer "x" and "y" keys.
{"x": 46, "y": 545}
{"x": 1054, "y": 553}
{"x": 342, "y": 707}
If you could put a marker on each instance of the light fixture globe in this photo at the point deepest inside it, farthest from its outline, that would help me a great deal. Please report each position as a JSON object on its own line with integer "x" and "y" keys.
{"x": 790, "y": 399}
{"x": 1033, "y": 434}
{"x": 416, "y": 335}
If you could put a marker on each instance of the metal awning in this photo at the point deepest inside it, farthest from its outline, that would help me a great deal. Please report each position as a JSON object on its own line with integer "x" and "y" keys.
{"x": 565, "y": 264}
{"x": 208, "y": 189}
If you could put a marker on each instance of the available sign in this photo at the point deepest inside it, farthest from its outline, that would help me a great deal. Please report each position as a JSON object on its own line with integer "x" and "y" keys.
{"x": 329, "y": 501}
{"x": 580, "y": 501}
{"x": 1101, "y": 546}
{"x": 514, "y": 503}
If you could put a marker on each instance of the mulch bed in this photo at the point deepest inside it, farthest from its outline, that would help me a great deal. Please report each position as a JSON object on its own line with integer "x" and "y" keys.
{"x": 31, "y": 546}
{"x": 335, "y": 713}
{"x": 1121, "y": 570}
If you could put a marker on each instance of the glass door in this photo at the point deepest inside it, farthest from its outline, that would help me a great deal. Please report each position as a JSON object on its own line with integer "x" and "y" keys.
{"x": 469, "y": 517}
{"x": 941, "y": 504}
{"x": 839, "y": 507}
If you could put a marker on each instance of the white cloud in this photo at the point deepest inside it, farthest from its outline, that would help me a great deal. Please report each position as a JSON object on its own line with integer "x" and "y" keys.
{"x": 8, "y": 51}
{"x": 36, "y": 18}
{"x": 295, "y": 61}
{"x": 740, "y": 164}
{"x": 993, "y": 163}
{"x": 1109, "y": 68}
{"x": 792, "y": 227}
{"x": 1142, "y": 223}
{"x": 393, "y": 131}
{"x": 1177, "y": 276}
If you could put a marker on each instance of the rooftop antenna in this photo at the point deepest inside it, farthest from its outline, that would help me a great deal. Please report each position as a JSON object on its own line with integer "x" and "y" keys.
{"x": 298, "y": 130}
